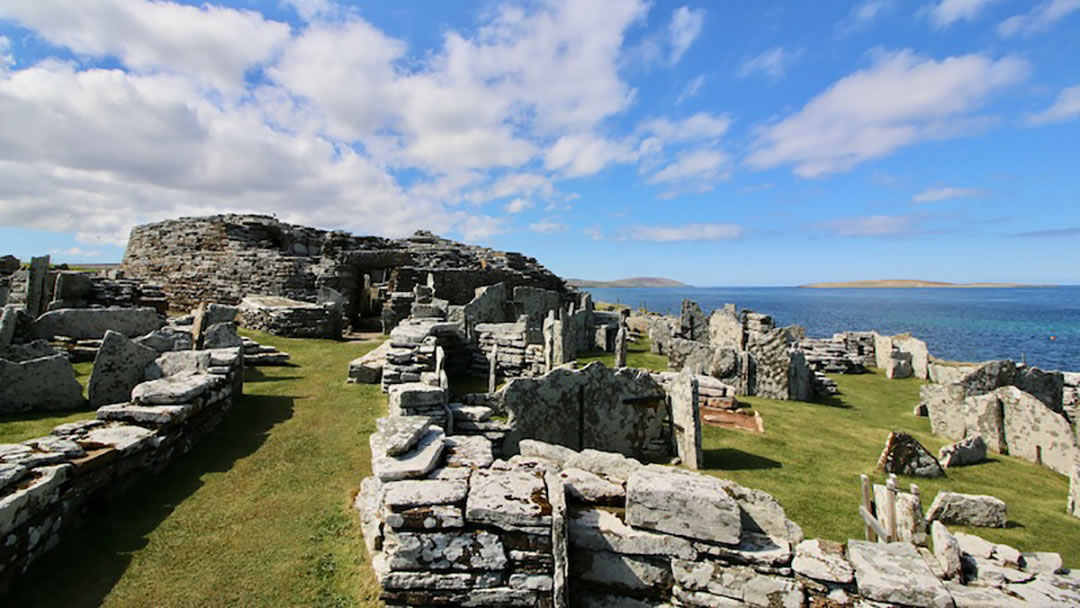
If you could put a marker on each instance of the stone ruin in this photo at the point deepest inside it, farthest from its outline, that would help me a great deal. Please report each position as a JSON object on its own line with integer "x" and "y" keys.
{"x": 40, "y": 288}
{"x": 225, "y": 258}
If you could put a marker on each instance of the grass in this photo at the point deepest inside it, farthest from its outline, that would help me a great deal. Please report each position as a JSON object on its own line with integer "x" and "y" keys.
{"x": 257, "y": 514}
{"x": 28, "y": 425}
{"x": 637, "y": 355}
{"x": 812, "y": 454}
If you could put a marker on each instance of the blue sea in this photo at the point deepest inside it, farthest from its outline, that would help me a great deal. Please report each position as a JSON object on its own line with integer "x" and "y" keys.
{"x": 1039, "y": 324}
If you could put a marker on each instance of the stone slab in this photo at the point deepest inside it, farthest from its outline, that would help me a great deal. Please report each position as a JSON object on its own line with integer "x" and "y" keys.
{"x": 507, "y": 499}
{"x": 400, "y": 433}
{"x": 92, "y": 323}
{"x": 896, "y": 573}
{"x": 418, "y": 462}
{"x": 174, "y": 390}
{"x": 120, "y": 365}
{"x": 684, "y": 504}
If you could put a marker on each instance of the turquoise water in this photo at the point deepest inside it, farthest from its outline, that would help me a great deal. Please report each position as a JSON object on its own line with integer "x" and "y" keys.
{"x": 970, "y": 324}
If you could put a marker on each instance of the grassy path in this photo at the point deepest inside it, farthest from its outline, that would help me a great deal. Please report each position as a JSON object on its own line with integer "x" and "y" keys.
{"x": 255, "y": 515}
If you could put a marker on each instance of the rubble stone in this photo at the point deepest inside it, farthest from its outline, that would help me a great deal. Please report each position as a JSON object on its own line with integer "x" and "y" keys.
{"x": 904, "y": 455}
{"x": 120, "y": 365}
{"x": 682, "y": 504}
{"x": 400, "y": 433}
{"x": 968, "y": 510}
{"x": 895, "y": 573}
{"x": 46, "y": 383}
{"x": 92, "y": 323}
{"x": 823, "y": 560}
{"x": 968, "y": 451}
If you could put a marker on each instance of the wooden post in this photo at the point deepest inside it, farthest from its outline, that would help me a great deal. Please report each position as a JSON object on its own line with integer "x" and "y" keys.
{"x": 890, "y": 508}
{"x": 867, "y": 505}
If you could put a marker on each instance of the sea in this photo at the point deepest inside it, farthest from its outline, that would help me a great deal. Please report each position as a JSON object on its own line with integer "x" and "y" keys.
{"x": 1038, "y": 325}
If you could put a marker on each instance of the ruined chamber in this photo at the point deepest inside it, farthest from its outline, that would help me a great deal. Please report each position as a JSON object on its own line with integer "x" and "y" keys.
{"x": 224, "y": 258}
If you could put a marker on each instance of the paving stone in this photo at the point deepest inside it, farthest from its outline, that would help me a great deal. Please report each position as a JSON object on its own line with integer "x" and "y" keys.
{"x": 684, "y": 504}
{"x": 418, "y": 462}
{"x": 405, "y": 494}
{"x": 823, "y": 560}
{"x": 174, "y": 390}
{"x": 149, "y": 414}
{"x": 896, "y": 573}
{"x": 507, "y": 498}
{"x": 400, "y": 433}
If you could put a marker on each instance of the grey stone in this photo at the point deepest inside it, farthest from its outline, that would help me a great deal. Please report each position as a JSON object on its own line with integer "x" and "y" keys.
{"x": 36, "y": 285}
{"x": 442, "y": 581}
{"x": 531, "y": 582}
{"x": 219, "y": 313}
{"x": 179, "y": 363}
{"x": 904, "y": 455}
{"x": 726, "y": 329}
{"x": 410, "y": 396}
{"x": 1043, "y": 562}
{"x": 741, "y": 584}
{"x": 625, "y": 573}
{"x": 8, "y": 320}
{"x": 153, "y": 414}
{"x": 507, "y": 499}
{"x": 992, "y": 573}
{"x": 11, "y": 474}
{"x": 610, "y": 465}
{"x": 400, "y": 433}
{"x": 686, "y": 420}
{"x": 368, "y": 368}
{"x": 760, "y": 512}
{"x": 125, "y": 438}
{"x": 49, "y": 443}
{"x": 1073, "y": 505}
{"x": 896, "y": 573}
{"x": 920, "y": 356}
{"x": 968, "y": 510}
{"x": 971, "y": 450}
{"x": 600, "y": 530}
{"x": 693, "y": 325}
{"x": 984, "y": 415}
{"x": 47, "y": 383}
{"x": 1037, "y": 433}
{"x": 823, "y": 560}
{"x": 466, "y": 550}
{"x": 92, "y": 323}
{"x": 429, "y": 517}
{"x": 590, "y": 488}
{"x": 946, "y": 550}
{"x": 173, "y": 390}
{"x": 221, "y": 335}
{"x": 911, "y": 526}
{"x": 538, "y": 449}
{"x": 167, "y": 339}
{"x": 620, "y": 347}
{"x": 560, "y": 535}
{"x": 1047, "y": 387}
{"x": 898, "y": 365}
{"x": 120, "y": 365}
{"x": 17, "y": 353}
{"x": 369, "y": 505}
{"x": 469, "y": 451}
{"x": 528, "y": 463}
{"x": 408, "y": 493}
{"x": 41, "y": 494}
{"x": 945, "y": 408}
{"x": 969, "y": 596}
{"x": 684, "y": 504}
{"x": 417, "y": 462}
{"x": 472, "y": 413}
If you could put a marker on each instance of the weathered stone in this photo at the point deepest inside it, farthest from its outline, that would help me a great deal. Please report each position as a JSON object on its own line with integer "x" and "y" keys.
{"x": 17, "y": 353}
{"x": 166, "y": 339}
{"x": 154, "y": 414}
{"x": 410, "y": 396}
{"x": 443, "y": 551}
{"x": 417, "y": 462}
{"x": 1047, "y": 387}
{"x": 507, "y": 499}
{"x": 625, "y": 573}
{"x": 471, "y": 413}
{"x": 968, "y": 510}
{"x": 1043, "y": 562}
{"x": 919, "y": 355}
{"x": 945, "y": 407}
{"x": 599, "y": 530}
{"x": 1073, "y": 505}
{"x": 283, "y": 316}
{"x": 47, "y": 383}
{"x": 400, "y": 433}
{"x": 685, "y": 504}
{"x": 455, "y": 581}
{"x": 970, "y": 596}
{"x": 173, "y": 390}
{"x": 8, "y": 320}
{"x": 538, "y": 449}
{"x": 369, "y": 505}
{"x": 36, "y": 285}
{"x": 186, "y": 362}
{"x": 898, "y": 365}
{"x": 368, "y": 368}
{"x": 754, "y": 548}
{"x": 823, "y": 560}
{"x": 590, "y": 488}
{"x": 429, "y": 517}
{"x": 904, "y": 455}
{"x": 760, "y": 512}
{"x": 221, "y": 335}
{"x": 18, "y": 506}
{"x": 971, "y": 450}
{"x": 738, "y": 583}
{"x": 1037, "y": 433}
{"x": 10, "y": 474}
{"x": 610, "y": 465}
{"x": 726, "y": 329}
{"x": 686, "y": 420}
{"x": 911, "y": 527}
{"x": 469, "y": 451}
{"x": 92, "y": 323}
{"x": 408, "y": 493}
{"x": 125, "y": 438}
{"x": 559, "y": 540}
{"x": 120, "y": 365}
{"x": 946, "y": 550}
{"x": 528, "y": 463}
{"x": 992, "y": 573}
{"x": 65, "y": 447}
{"x": 896, "y": 573}
{"x": 620, "y": 347}
{"x": 693, "y": 325}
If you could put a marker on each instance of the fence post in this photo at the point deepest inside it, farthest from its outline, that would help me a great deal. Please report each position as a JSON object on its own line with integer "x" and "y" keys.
{"x": 890, "y": 508}
{"x": 868, "y": 505}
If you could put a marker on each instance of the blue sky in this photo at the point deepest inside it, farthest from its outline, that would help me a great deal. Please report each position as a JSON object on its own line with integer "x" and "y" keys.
{"x": 717, "y": 143}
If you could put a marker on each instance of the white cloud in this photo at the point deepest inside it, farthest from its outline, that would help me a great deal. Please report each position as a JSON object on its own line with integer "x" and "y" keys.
{"x": 698, "y": 164}
{"x": 547, "y": 227}
{"x": 947, "y": 12}
{"x": 900, "y": 100}
{"x": 76, "y": 252}
{"x": 518, "y": 205}
{"x": 216, "y": 45}
{"x": 579, "y": 155}
{"x": 1039, "y": 18}
{"x": 772, "y": 63}
{"x": 932, "y": 195}
{"x": 684, "y": 28}
{"x": 7, "y": 60}
{"x": 482, "y": 226}
{"x": 594, "y": 233}
{"x": 1065, "y": 107}
{"x": 702, "y": 125}
{"x": 863, "y": 14}
{"x": 874, "y": 225}
{"x": 691, "y": 89}
{"x": 686, "y": 232}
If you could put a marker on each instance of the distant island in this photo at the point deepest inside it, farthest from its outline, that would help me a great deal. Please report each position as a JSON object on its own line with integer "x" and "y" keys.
{"x": 631, "y": 282}
{"x": 908, "y": 283}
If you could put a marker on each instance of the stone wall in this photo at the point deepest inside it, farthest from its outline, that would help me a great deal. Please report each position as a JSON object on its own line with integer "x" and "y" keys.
{"x": 226, "y": 257}
{"x": 49, "y": 484}
{"x": 290, "y": 318}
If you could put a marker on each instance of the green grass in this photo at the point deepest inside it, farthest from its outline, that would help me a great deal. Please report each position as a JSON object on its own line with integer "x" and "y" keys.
{"x": 257, "y": 514}
{"x": 637, "y": 355}
{"x": 812, "y": 454}
{"x": 28, "y": 425}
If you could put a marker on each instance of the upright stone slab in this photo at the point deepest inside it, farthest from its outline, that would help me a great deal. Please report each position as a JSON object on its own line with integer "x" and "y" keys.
{"x": 1074, "y": 491}
{"x": 920, "y": 356}
{"x": 120, "y": 366}
{"x": 36, "y": 286}
{"x": 559, "y": 539}
{"x": 92, "y": 323}
{"x": 8, "y": 319}
{"x": 681, "y": 503}
{"x": 686, "y": 418}
{"x": 46, "y": 383}
{"x": 904, "y": 455}
{"x": 692, "y": 323}
{"x": 984, "y": 416}
{"x": 620, "y": 347}
{"x": 945, "y": 408}
{"x": 726, "y": 329}
{"x": 1037, "y": 433}
{"x": 883, "y": 348}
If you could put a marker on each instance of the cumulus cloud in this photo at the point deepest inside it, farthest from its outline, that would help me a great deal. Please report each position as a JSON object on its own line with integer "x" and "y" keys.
{"x": 772, "y": 64}
{"x": 580, "y": 155}
{"x": 900, "y": 100}
{"x": 947, "y": 12}
{"x": 1065, "y": 107}
{"x": 685, "y": 232}
{"x": 1044, "y": 15}
{"x": 932, "y": 195}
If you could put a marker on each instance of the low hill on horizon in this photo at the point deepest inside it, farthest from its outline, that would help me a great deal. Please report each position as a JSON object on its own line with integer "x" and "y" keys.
{"x": 910, "y": 283}
{"x": 630, "y": 282}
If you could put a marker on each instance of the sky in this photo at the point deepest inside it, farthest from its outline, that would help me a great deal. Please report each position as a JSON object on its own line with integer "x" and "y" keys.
{"x": 716, "y": 143}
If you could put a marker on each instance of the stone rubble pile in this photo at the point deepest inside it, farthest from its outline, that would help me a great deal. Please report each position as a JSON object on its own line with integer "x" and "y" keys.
{"x": 290, "y": 318}
{"x": 844, "y": 353}
{"x": 256, "y": 354}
